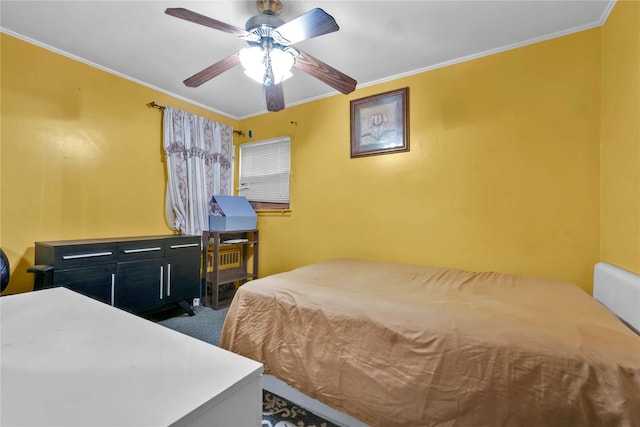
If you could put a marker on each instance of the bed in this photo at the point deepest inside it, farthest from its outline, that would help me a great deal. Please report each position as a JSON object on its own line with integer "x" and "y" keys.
{"x": 392, "y": 344}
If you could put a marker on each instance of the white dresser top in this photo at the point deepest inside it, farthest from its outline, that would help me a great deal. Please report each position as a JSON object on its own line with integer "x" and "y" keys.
{"x": 69, "y": 360}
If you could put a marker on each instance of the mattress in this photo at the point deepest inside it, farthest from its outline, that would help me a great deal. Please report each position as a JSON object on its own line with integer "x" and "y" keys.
{"x": 405, "y": 345}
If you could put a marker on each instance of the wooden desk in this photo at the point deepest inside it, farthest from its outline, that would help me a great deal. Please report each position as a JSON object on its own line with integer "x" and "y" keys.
{"x": 70, "y": 360}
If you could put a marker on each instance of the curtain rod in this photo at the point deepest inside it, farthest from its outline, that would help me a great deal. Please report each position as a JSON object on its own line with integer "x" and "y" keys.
{"x": 153, "y": 104}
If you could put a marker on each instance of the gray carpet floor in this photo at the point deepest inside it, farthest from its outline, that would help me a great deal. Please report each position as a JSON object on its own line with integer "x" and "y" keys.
{"x": 206, "y": 325}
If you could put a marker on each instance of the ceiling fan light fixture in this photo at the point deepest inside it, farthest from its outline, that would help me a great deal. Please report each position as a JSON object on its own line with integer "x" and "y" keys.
{"x": 281, "y": 63}
{"x": 255, "y": 60}
{"x": 269, "y": 59}
{"x": 252, "y": 60}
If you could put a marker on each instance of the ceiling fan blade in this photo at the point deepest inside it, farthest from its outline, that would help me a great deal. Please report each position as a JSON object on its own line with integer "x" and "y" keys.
{"x": 325, "y": 73}
{"x": 314, "y": 23}
{"x": 188, "y": 15}
{"x": 274, "y": 96}
{"x": 213, "y": 70}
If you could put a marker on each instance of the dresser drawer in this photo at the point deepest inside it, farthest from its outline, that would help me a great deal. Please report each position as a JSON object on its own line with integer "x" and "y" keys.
{"x": 182, "y": 245}
{"x": 74, "y": 256}
{"x": 137, "y": 250}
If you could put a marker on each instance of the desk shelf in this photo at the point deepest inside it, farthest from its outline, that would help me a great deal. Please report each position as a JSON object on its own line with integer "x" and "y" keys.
{"x": 227, "y": 265}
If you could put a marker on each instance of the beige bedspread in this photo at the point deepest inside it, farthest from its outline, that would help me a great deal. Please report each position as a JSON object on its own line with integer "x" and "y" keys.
{"x": 406, "y": 345}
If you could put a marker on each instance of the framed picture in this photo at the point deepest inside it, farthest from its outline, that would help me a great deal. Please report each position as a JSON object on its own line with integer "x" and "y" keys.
{"x": 380, "y": 123}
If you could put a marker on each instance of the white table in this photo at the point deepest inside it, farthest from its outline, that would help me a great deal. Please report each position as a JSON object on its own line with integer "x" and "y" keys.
{"x": 68, "y": 360}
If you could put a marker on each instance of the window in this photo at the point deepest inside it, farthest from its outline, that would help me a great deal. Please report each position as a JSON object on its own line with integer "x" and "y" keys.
{"x": 264, "y": 173}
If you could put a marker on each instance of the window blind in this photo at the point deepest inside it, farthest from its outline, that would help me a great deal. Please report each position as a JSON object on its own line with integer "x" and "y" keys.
{"x": 264, "y": 170}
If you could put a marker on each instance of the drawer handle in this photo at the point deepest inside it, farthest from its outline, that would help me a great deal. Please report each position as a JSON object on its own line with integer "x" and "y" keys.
{"x": 92, "y": 255}
{"x": 168, "y": 280}
{"x": 113, "y": 289}
{"x": 137, "y": 251}
{"x": 187, "y": 245}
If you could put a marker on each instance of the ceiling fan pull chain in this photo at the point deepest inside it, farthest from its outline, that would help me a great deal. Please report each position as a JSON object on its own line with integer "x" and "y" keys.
{"x": 268, "y": 71}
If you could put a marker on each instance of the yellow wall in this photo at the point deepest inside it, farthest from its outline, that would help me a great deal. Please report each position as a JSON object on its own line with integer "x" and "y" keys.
{"x": 81, "y": 154}
{"x": 503, "y": 172}
{"x": 620, "y": 152}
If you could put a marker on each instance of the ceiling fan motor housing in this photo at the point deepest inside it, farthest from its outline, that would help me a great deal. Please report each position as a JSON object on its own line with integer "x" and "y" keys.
{"x": 262, "y": 25}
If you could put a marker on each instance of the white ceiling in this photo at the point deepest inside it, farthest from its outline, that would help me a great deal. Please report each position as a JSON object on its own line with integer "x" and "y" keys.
{"x": 377, "y": 40}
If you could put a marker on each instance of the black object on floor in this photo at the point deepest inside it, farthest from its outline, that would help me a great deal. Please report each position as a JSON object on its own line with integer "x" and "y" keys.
{"x": 205, "y": 325}
{"x": 279, "y": 412}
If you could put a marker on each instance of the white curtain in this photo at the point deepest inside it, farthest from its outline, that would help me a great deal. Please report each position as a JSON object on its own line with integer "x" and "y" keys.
{"x": 199, "y": 155}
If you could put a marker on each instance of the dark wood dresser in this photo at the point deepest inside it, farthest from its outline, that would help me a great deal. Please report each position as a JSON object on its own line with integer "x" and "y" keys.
{"x": 137, "y": 274}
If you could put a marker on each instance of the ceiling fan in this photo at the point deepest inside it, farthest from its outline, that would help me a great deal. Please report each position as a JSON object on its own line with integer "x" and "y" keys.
{"x": 271, "y": 55}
